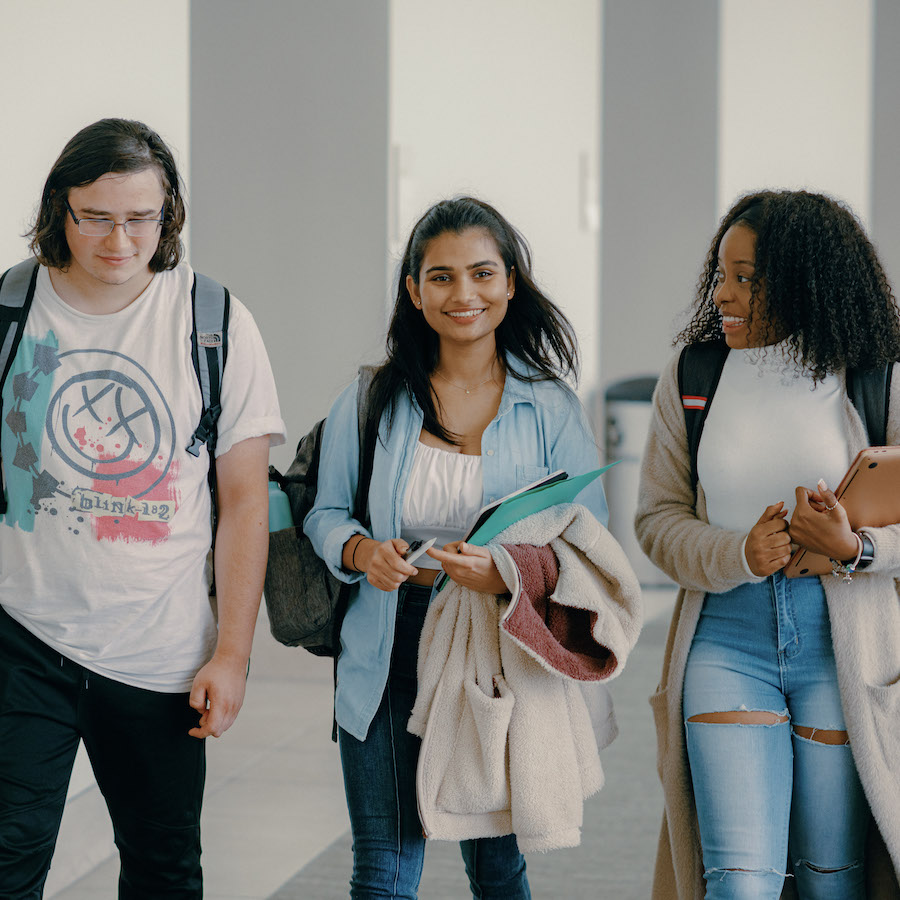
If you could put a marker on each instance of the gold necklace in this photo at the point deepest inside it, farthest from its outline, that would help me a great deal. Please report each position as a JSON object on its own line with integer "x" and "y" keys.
{"x": 459, "y": 387}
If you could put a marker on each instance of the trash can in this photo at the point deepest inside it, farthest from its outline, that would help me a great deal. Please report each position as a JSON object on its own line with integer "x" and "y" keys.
{"x": 627, "y": 422}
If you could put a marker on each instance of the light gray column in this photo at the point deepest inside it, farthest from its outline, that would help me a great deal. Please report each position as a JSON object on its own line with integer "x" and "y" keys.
{"x": 886, "y": 139}
{"x": 658, "y": 191}
{"x": 659, "y": 133}
{"x": 289, "y": 144}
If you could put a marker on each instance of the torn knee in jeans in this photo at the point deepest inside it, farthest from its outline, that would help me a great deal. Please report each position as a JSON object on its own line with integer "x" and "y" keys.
{"x": 741, "y": 717}
{"x": 823, "y": 735}
{"x": 722, "y": 874}
{"x": 819, "y": 870}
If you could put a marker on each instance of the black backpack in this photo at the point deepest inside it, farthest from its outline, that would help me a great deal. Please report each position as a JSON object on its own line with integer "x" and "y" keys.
{"x": 211, "y": 306}
{"x": 305, "y": 603}
{"x": 700, "y": 367}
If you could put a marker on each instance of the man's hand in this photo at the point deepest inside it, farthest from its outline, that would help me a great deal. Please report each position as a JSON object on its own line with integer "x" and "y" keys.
{"x": 217, "y": 694}
{"x": 471, "y": 566}
{"x": 768, "y": 546}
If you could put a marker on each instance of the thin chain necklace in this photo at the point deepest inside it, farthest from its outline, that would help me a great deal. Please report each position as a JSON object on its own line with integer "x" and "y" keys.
{"x": 459, "y": 387}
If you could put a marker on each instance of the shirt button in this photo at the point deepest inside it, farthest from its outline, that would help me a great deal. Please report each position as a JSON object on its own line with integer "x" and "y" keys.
{"x": 490, "y": 453}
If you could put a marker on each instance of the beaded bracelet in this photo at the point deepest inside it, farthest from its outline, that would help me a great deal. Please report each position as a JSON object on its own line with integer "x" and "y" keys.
{"x": 845, "y": 570}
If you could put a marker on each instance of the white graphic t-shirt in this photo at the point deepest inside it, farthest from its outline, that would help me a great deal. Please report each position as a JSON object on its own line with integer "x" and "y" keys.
{"x": 103, "y": 546}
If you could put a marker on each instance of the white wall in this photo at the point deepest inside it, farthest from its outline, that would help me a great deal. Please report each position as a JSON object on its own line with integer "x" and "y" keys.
{"x": 65, "y": 65}
{"x": 795, "y": 98}
{"x": 501, "y": 100}
{"x": 68, "y": 65}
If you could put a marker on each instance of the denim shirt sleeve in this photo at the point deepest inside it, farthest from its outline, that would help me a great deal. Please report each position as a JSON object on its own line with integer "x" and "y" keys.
{"x": 330, "y": 523}
{"x": 572, "y": 447}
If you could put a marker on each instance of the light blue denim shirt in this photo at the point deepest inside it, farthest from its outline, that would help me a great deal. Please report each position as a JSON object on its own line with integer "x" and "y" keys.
{"x": 539, "y": 428}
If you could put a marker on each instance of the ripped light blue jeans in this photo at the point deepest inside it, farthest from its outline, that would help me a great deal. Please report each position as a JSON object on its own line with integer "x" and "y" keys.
{"x": 764, "y": 793}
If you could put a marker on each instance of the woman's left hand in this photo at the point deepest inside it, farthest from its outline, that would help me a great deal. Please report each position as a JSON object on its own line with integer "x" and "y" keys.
{"x": 820, "y": 524}
{"x": 471, "y": 566}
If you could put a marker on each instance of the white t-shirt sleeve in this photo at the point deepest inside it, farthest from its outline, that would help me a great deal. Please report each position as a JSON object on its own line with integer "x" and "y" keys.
{"x": 249, "y": 399}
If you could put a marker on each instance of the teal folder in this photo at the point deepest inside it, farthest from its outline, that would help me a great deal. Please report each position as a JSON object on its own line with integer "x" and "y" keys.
{"x": 557, "y": 488}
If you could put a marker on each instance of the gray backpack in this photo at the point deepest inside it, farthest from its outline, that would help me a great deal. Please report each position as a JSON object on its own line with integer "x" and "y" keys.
{"x": 305, "y": 603}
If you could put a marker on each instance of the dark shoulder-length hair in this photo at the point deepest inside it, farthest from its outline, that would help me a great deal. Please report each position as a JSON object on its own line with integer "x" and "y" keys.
{"x": 534, "y": 329}
{"x": 110, "y": 145}
{"x": 822, "y": 285}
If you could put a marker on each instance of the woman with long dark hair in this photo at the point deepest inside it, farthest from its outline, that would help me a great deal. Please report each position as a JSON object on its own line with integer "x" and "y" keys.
{"x": 777, "y": 707}
{"x": 471, "y": 405}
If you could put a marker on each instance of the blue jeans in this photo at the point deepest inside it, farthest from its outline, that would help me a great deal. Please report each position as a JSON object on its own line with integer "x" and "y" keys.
{"x": 763, "y": 792}
{"x": 380, "y": 784}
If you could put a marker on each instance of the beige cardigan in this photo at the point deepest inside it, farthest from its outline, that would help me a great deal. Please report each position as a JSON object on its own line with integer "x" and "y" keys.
{"x": 507, "y": 740}
{"x": 865, "y": 627}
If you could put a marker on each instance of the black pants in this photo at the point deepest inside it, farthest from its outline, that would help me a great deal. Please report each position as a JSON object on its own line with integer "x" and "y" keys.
{"x": 150, "y": 771}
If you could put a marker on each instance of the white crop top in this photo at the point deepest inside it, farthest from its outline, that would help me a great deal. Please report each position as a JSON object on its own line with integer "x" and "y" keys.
{"x": 443, "y": 496}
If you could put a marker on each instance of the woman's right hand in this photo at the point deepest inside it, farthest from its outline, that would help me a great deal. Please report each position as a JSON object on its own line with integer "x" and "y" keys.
{"x": 768, "y": 546}
{"x": 383, "y": 562}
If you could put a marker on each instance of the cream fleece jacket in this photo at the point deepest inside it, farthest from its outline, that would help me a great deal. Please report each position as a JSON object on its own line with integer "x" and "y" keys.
{"x": 507, "y": 741}
{"x": 865, "y": 625}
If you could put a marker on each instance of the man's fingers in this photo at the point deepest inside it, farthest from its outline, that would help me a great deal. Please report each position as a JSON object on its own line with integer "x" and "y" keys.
{"x": 198, "y": 698}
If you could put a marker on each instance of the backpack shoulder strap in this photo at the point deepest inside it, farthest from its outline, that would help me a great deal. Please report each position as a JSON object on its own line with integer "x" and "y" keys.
{"x": 699, "y": 369}
{"x": 368, "y": 435}
{"x": 16, "y": 293}
{"x": 870, "y": 392}
{"x": 211, "y": 306}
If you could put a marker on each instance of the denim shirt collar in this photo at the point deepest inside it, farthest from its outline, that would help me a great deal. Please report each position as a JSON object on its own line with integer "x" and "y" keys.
{"x": 515, "y": 390}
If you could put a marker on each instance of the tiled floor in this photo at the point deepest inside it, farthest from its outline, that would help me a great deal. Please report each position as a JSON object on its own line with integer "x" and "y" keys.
{"x": 274, "y": 798}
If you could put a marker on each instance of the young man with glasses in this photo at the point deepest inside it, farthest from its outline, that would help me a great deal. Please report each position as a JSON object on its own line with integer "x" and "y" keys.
{"x": 107, "y": 630}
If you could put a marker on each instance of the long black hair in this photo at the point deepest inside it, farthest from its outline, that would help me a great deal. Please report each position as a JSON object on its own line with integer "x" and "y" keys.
{"x": 534, "y": 329}
{"x": 823, "y": 285}
{"x": 110, "y": 145}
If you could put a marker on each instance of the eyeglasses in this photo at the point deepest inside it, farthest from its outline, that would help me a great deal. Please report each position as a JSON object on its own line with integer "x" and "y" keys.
{"x": 103, "y": 227}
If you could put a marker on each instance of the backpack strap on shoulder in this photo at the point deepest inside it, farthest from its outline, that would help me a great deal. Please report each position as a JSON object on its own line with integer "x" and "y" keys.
{"x": 211, "y": 305}
{"x": 870, "y": 392}
{"x": 368, "y": 435}
{"x": 16, "y": 293}
{"x": 699, "y": 370}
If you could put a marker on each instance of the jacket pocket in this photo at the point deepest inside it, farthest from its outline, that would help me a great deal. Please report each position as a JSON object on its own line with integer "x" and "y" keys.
{"x": 659, "y": 703}
{"x": 884, "y": 702}
{"x": 476, "y": 779}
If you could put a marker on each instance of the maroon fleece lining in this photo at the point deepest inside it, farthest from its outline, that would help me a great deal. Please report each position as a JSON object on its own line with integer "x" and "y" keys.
{"x": 560, "y": 635}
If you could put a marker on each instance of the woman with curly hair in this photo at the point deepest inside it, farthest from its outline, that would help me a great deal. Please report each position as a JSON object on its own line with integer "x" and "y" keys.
{"x": 778, "y": 711}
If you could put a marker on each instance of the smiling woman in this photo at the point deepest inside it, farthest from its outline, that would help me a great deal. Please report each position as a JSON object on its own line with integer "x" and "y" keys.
{"x": 758, "y": 759}
{"x": 470, "y": 405}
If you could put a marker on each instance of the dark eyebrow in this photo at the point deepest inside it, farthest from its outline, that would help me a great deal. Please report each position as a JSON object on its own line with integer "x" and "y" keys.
{"x": 740, "y": 262}
{"x": 90, "y": 211}
{"x": 478, "y": 265}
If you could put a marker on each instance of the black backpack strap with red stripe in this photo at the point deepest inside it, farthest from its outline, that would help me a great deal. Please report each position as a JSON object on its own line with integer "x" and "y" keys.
{"x": 699, "y": 369}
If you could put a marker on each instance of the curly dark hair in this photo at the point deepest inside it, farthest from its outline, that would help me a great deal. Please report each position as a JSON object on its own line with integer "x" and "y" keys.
{"x": 823, "y": 285}
{"x": 110, "y": 145}
{"x": 534, "y": 330}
